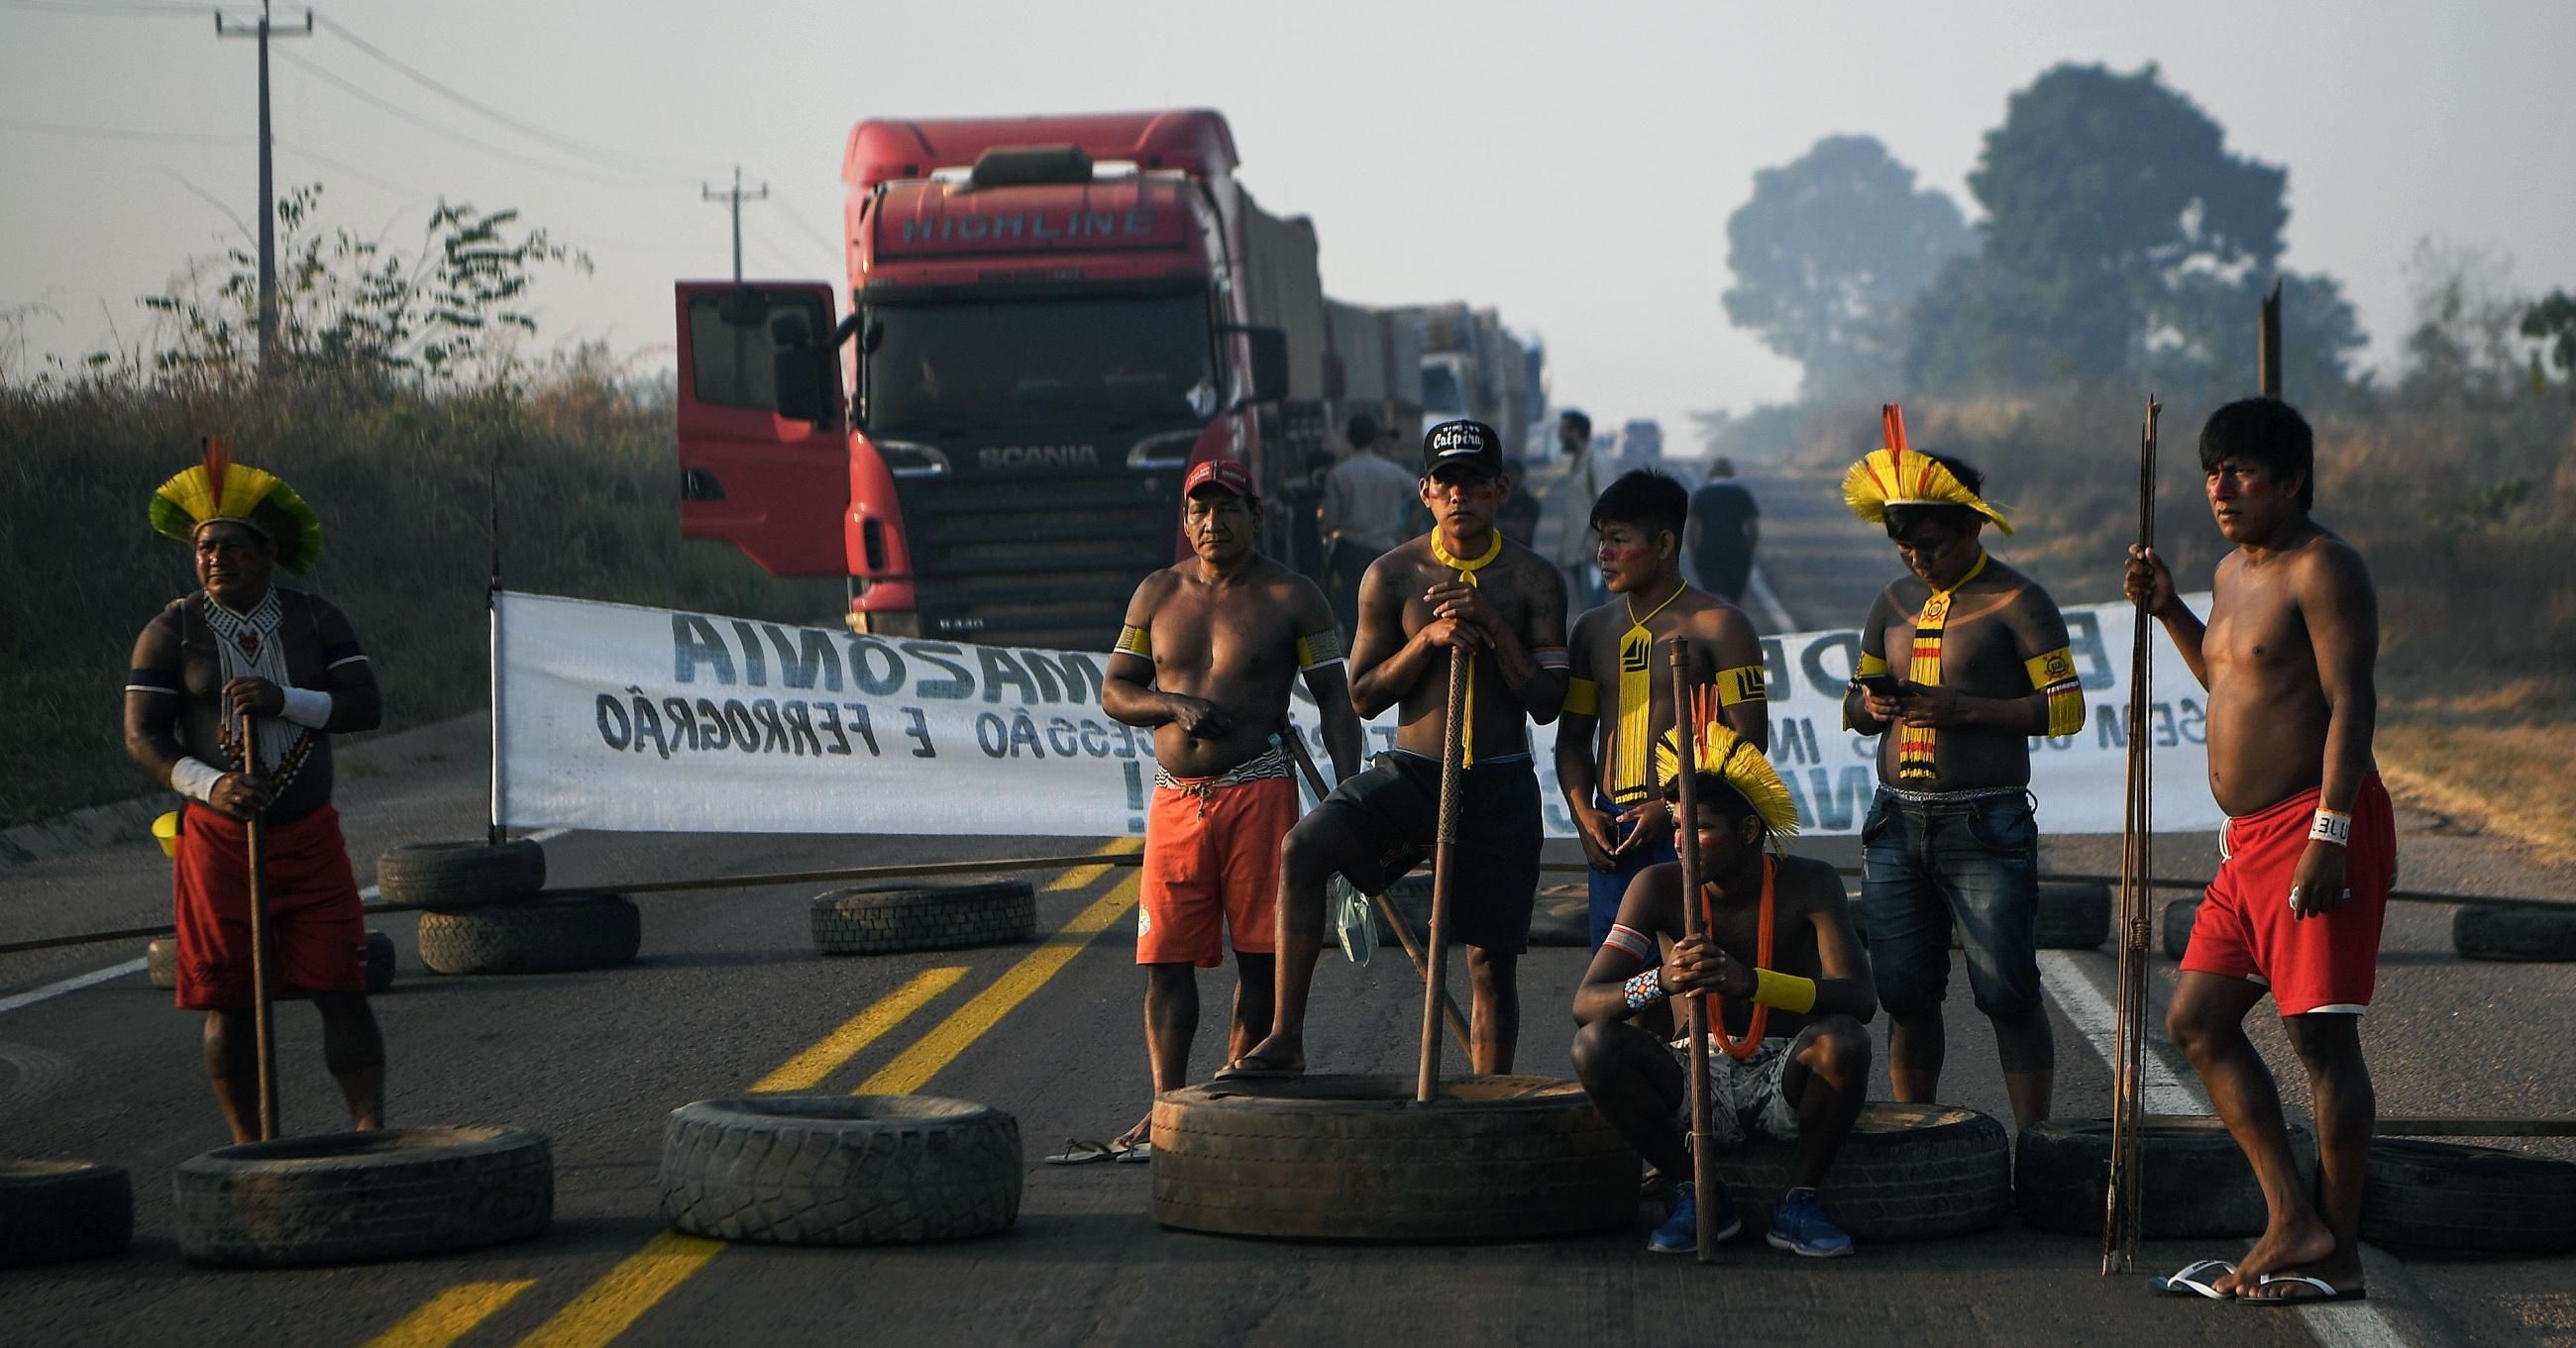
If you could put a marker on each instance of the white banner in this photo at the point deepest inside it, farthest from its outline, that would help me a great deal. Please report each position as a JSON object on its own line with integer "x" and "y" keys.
{"x": 615, "y": 717}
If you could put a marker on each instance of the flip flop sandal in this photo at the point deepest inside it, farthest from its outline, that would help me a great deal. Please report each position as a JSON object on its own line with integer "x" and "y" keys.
{"x": 2194, "y": 1279}
{"x": 1133, "y": 1153}
{"x": 1083, "y": 1151}
{"x": 2327, "y": 1293}
{"x": 1254, "y": 1067}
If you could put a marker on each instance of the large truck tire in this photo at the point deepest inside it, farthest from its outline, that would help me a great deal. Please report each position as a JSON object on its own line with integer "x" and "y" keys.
{"x": 348, "y": 1198}
{"x": 455, "y": 876}
{"x": 52, "y": 1212}
{"x": 2444, "y": 1196}
{"x": 840, "y": 1169}
{"x": 161, "y": 962}
{"x": 2480, "y": 932}
{"x": 1907, "y": 1172}
{"x": 2178, "y": 917}
{"x": 1353, "y": 1158}
{"x": 2073, "y": 917}
{"x": 2193, "y": 1182}
{"x": 547, "y": 936}
{"x": 885, "y": 919}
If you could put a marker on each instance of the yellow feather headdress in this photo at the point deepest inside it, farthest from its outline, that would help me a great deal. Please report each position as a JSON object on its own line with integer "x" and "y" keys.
{"x": 1896, "y": 475}
{"x": 219, "y": 489}
{"x": 1733, "y": 760}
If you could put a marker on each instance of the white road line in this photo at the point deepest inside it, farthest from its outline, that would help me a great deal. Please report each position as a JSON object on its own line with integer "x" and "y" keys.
{"x": 96, "y": 976}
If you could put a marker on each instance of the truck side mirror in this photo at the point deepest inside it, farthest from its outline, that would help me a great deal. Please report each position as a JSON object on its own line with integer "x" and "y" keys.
{"x": 1269, "y": 364}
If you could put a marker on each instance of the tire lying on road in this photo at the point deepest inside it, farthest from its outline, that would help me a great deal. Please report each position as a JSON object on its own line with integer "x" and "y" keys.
{"x": 1907, "y": 1172}
{"x": 1354, "y": 1158}
{"x": 2443, "y": 1196}
{"x": 2193, "y": 1181}
{"x": 2073, "y": 917}
{"x": 2178, "y": 917}
{"x": 887, "y": 918}
{"x": 840, "y": 1169}
{"x": 2482, "y": 932}
{"x": 161, "y": 962}
{"x": 52, "y": 1212}
{"x": 346, "y": 1198}
{"x": 1562, "y": 919}
{"x": 546, "y": 936}
{"x": 453, "y": 876}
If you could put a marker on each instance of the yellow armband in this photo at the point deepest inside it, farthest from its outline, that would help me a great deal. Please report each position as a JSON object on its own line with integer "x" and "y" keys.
{"x": 1741, "y": 684}
{"x": 2054, "y": 675}
{"x": 1582, "y": 697}
{"x": 1134, "y": 640}
{"x": 1785, "y": 991}
{"x": 1318, "y": 649}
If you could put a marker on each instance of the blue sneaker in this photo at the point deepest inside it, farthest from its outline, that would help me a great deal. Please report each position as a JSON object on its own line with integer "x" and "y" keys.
{"x": 1799, "y": 1225}
{"x": 1680, "y": 1232}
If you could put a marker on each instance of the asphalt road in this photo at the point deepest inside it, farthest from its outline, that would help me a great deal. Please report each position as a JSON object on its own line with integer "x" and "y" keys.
{"x": 728, "y": 988}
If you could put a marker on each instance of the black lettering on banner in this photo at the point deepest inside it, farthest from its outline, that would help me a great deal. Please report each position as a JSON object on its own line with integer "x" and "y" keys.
{"x": 746, "y": 735}
{"x": 1060, "y": 737}
{"x": 919, "y": 730}
{"x": 865, "y": 652}
{"x": 1126, "y": 742}
{"x": 800, "y": 664}
{"x": 755, "y": 666}
{"x": 773, "y": 732}
{"x": 1834, "y": 801}
{"x": 831, "y": 725}
{"x": 958, "y": 685}
{"x": 1824, "y": 681}
{"x": 694, "y": 642}
{"x": 1095, "y": 738}
{"x": 999, "y": 669}
{"x": 2084, "y": 642}
{"x": 800, "y": 729}
{"x": 716, "y": 735}
{"x": 1385, "y": 737}
{"x": 991, "y": 736}
{"x": 607, "y": 706}
{"x": 2110, "y": 727}
{"x": 860, "y": 726}
{"x": 2163, "y": 715}
{"x": 2195, "y": 721}
{"x": 1081, "y": 674}
{"x": 1024, "y": 731}
{"x": 648, "y": 721}
{"x": 684, "y": 727}
{"x": 1775, "y": 663}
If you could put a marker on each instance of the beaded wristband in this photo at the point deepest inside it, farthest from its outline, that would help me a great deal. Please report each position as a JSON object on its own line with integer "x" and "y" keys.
{"x": 1646, "y": 989}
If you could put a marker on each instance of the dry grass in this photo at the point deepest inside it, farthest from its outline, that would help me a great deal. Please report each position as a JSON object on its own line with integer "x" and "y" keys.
{"x": 2516, "y": 780}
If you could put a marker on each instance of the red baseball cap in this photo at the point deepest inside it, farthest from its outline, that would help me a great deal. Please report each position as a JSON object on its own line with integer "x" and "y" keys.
{"x": 1225, "y": 475}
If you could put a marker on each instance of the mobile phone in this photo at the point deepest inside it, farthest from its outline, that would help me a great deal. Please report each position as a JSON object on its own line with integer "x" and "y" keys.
{"x": 1884, "y": 685}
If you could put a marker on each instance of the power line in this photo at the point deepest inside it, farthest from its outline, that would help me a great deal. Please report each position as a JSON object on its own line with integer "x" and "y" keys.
{"x": 366, "y": 96}
{"x": 796, "y": 219}
{"x": 121, "y": 9}
{"x": 116, "y": 133}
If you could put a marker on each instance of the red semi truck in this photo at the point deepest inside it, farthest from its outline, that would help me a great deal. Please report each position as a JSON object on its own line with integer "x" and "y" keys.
{"x": 1049, "y": 320}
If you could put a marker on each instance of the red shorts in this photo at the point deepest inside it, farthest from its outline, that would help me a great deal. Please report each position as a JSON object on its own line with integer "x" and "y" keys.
{"x": 317, "y": 933}
{"x": 1212, "y": 866}
{"x": 2245, "y": 928}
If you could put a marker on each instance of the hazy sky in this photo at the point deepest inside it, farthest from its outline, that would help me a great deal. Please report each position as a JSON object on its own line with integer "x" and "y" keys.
{"x": 1573, "y": 165}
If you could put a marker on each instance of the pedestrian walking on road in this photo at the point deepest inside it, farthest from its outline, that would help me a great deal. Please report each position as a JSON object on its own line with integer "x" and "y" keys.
{"x": 1367, "y": 510}
{"x": 1303, "y": 499}
{"x": 1205, "y": 660}
{"x": 1460, "y": 587}
{"x": 2310, "y": 846}
{"x": 1951, "y": 839}
{"x": 1587, "y": 475}
{"x": 243, "y": 649}
{"x": 1725, "y": 523}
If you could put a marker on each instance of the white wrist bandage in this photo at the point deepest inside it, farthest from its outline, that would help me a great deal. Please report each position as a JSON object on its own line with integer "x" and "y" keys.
{"x": 195, "y": 778}
{"x": 308, "y": 707}
{"x": 2332, "y": 826}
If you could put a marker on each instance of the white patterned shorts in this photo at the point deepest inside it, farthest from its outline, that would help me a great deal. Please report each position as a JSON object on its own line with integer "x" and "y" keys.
{"x": 1745, "y": 1101}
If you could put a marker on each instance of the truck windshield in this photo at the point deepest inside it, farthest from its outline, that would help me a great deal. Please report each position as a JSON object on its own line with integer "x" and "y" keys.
{"x": 1095, "y": 362}
{"x": 1441, "y": 396}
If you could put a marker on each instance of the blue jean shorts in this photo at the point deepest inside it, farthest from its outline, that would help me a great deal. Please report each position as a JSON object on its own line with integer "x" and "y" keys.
{"x": 1972, "y": 861}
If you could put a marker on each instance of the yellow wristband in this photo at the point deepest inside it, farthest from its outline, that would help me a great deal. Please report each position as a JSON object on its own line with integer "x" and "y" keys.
{"x": 1785, "y": 991}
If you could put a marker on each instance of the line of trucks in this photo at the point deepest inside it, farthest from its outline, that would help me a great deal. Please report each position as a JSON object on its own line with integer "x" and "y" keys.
{"x": 1048, "y": 322}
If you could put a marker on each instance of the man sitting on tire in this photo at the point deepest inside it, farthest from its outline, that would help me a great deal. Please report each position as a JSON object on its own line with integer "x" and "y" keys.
{"x": 1788, "y": 1059}
{"x": 242, "y": 650}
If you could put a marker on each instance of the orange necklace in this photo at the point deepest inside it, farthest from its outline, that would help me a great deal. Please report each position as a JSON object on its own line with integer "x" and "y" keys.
{"x": 1752, "y": 1040}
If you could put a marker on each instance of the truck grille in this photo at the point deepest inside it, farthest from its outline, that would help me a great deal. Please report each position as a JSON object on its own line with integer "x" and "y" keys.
{"x": 1040, "y": 560}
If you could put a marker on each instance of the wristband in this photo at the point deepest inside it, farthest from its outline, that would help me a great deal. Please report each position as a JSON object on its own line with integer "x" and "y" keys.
{"x": 195, "y": 778}
{"x": 1630, "y": 939}
{"x": 1785, "y": 991}
{"x": 1646, "y": 989}
{"x": 308, "y": 707}
{"x": 2332, "y": 826}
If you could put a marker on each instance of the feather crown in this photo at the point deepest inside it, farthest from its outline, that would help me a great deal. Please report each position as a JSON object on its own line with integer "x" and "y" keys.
{"x": 1732, "y": 759}
{"x": 219, "y": 489}
{"x": 1897, "y": 475}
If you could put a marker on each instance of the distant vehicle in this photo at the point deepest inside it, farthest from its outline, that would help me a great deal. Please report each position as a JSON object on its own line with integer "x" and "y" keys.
{"x": 1472, "y": 366}
{"x": 1643, "y": 437}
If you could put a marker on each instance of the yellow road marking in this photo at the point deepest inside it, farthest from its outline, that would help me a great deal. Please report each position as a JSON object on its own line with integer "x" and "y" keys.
{"x": 914, "y": 1068}
{"x": 1079, "y": 876}
{"x": 807, "y": 1069}
{"x": 450, "y": 1315}
{"x": 607, "y": 1307}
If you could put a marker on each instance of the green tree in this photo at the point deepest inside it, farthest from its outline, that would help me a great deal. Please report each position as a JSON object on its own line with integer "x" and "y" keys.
{"x": 2552, "y": 323}
{"x": 1827, "y": 254}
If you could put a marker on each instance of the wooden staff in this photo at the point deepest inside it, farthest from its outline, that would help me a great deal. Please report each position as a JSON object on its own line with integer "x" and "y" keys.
{"x": 1444, "y": 877}
{"x": 263, "y": 1012}
{"x": 1449, "y": 1014}
{"x": 1686, "y": 833}
{"x": 2121, "y": 1218}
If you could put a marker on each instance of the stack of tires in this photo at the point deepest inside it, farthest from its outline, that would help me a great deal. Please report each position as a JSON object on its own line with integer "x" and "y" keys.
{"x": 488, "y": 913}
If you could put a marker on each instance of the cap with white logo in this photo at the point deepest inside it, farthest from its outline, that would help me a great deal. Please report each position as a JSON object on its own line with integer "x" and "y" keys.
{"x": 1462, "y": 442}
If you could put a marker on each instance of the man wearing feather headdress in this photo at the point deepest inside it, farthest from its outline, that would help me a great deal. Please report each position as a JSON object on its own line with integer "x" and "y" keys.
{"x": 289, "y": 662}
{"x": 1951, "y": 839}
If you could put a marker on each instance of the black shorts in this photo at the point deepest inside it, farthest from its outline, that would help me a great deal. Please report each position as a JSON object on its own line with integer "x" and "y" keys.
{"x": 1395, "y": 809}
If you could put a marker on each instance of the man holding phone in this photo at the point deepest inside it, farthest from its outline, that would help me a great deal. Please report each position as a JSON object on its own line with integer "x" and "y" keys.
{"x": 1951, "y": 838}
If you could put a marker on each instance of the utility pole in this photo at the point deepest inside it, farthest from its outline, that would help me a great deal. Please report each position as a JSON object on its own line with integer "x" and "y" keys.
{"x": 267, "y": 179}
{"x": 735, "y": 198}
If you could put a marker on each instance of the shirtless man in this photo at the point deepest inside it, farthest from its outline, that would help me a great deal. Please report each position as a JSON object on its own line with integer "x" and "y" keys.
{"x": 1950, "y": 836}
{"x": 242, "y": 645}
{"x": 2310, "y": 847}
{"x": 1793, "y": 994}
{"x": 1205, "y": 659}
{"x": 1462, "y": 586}
{"x": 1622, "y": 821}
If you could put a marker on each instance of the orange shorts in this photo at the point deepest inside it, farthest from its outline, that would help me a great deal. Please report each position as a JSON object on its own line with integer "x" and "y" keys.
{"x": 2245, "y": 928}
{"x": 1212, "y": 864}
{"x": 317, "y": 932}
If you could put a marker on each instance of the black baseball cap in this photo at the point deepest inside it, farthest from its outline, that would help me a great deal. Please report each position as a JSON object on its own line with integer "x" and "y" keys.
{"x": 1463, "y": 442}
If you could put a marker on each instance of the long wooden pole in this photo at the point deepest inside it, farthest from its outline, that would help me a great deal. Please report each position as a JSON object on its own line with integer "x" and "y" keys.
{"x": 262, "y": 975}
{"x": 2121, "y": 1217}
{"x": 1444, "y": 877}
{"x": 1686, "y": 833}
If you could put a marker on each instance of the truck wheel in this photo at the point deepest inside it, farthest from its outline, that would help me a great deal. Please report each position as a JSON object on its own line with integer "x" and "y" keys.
{"x": 2193, "y": 1182}
{"x": 2480, "y": 932}
{"x": 346, "y": 1198}
{"x": 2443, "y": 1196}
{"x": 161, "y": 962}
{"x": 840, "y": 1169}
{"x": 1354, "y": 1158}
{"x": 547, "y": 936}
{"x": 2179, "y": 915}
{"x": 52, "y": 1212}
{"x": 2073, "y": 917}
{"x": 888, "y": 918}
{"x": 452, "y": 876}
{"x": 1907, "y": 1172}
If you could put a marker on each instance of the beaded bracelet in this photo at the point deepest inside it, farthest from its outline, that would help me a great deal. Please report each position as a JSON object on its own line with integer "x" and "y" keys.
{"x": 1646, "y": 989}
